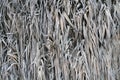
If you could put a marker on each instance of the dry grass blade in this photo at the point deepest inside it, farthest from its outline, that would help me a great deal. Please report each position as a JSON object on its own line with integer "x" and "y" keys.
{"x": 67, "y": 18}
{"x": 59, "y": 40}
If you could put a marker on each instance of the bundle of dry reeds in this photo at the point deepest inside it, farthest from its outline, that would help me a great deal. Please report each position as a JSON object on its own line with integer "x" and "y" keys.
{"x": 59, "y": 40}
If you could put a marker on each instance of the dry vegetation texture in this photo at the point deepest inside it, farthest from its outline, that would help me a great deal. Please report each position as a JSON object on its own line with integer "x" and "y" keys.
{"x": 59, "y": 40}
